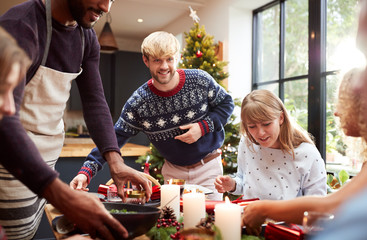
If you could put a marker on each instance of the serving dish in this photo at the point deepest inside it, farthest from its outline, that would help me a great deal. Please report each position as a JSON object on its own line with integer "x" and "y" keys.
{"x": 99, "y": 195}
{"x": 138, "y": 220}
{"x": 153, "y": 203}
{"x": 191, "y": 187}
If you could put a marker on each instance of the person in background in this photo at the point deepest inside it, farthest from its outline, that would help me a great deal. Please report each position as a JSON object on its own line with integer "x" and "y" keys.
{"x": 13, "y": 65}
{"x": 351, "y": 217}
{"x": 276, "y": 157}
{"x": 182, "y": 111}
{"x": 58, "y": 37}
{"x": 256, "y": 214}
{"x": 349, "y": 109}
{"x": 360, "y": 85}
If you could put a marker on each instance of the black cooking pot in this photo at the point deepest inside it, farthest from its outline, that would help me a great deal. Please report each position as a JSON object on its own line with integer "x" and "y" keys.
{"x": 138, "y": 219}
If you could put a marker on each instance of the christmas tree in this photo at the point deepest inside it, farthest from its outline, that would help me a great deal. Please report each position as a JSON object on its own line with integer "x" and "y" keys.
{"x": 201, "y": 53}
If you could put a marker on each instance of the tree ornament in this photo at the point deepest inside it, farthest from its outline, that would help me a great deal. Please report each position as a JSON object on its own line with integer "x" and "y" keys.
{"x": 199, "y": 35}
{"x": 146, "y": 166}
{"x": 199, "y": 54}
{"x": 194, "y": 15}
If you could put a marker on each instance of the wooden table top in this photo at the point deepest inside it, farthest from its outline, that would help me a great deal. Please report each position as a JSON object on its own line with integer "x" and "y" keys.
{"x": 51, "y": 213}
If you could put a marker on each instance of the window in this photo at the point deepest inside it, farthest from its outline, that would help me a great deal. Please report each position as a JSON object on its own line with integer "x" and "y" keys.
{"x": 281, "y": 53}
{"x": 300, "y": 48}
{"x": 341, "y": 56}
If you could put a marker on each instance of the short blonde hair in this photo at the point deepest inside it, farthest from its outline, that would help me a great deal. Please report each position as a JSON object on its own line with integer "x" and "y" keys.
{"x": 160, "y": 44}
{"x": 261, "y": 106}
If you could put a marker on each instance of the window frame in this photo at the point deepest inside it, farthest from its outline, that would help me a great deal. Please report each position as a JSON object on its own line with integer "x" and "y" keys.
{"x": 317, "y": 74}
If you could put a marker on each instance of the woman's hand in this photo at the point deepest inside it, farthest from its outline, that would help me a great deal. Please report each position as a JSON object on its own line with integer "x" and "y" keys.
{"x": 225, "y": 184}
{"x": 253, "y": 217}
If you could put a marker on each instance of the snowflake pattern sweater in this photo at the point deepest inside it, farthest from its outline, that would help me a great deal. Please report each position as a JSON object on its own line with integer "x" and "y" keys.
{"x": 196, "y": 99}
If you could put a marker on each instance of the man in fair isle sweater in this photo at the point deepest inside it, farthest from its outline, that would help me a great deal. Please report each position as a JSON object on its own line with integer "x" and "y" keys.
{"x": 182, "y": 111}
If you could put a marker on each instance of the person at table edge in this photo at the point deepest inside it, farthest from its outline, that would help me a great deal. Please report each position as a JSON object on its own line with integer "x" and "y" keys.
{"x": 58, "y": 37}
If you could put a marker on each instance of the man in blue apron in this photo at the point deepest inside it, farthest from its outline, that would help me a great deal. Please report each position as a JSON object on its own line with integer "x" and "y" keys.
{"x": 58, "y": 37}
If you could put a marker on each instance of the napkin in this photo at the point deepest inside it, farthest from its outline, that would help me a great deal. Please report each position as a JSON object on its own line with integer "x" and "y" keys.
{"x": 282, "y": 232}
{"x": 102, "y": 189}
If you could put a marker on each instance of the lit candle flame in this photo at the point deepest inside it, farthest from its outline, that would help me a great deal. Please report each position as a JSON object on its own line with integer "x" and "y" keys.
{"x": 227, "y": 200}
{"x": 170, "y": 181}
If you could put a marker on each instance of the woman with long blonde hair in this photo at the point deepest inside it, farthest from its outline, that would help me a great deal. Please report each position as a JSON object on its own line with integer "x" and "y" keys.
{"x": 276, "y": 157}
{"x": 350, "y": 109}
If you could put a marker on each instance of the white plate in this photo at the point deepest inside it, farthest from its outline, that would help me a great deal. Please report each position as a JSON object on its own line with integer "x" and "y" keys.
{"x": 200, "y": 188}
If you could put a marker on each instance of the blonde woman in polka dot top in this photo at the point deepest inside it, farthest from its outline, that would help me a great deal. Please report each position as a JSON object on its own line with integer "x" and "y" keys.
{"x": 351, "y": 109}
{"x": 276, "y": 158}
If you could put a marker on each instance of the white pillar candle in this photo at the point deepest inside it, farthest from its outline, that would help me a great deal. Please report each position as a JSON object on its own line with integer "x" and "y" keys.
{"x": 228, "y": 220}
{"x": 170, "y": 197}
{"x": 193, "y": 208}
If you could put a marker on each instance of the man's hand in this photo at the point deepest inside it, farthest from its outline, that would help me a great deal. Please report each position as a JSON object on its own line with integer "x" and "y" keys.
{"x": 85, "y": 210}
{"x": 192, "y": 135}
{"x": 121, "y": 174}
{"x": 79, "y": 182}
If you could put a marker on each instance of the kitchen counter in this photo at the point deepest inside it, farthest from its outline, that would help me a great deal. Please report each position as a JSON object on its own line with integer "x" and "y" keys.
{"x": 81, "y": 147}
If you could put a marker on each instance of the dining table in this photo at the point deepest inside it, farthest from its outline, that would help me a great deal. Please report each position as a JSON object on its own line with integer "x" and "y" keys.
{"x": 52, "y": 213}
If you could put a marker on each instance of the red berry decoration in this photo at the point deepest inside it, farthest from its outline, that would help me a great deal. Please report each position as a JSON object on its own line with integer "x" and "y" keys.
{"x": 199, "y": 54}
{"x": 167, "y": 222}
{"x": 199, "y": 35}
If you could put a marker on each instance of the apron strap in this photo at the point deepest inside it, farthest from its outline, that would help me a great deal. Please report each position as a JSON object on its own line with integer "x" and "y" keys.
{"x": 49, "y": 34}
{"x": 49, "y": 31}
{"x": 83, "y": 43}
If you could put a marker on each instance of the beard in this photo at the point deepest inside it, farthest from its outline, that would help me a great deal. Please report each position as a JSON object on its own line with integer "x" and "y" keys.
{"x": 162, "y": 81}
{"x": 78, "y": 11}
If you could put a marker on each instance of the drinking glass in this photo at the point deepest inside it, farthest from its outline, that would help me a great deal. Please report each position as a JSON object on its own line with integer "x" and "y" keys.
{"x": 313, "y": 222}
{"x": 112, "y": 196}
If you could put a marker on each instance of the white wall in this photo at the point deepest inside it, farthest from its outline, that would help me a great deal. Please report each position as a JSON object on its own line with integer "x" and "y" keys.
{"x": 233, "y": 27}
{"x": 240, "y": 52}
